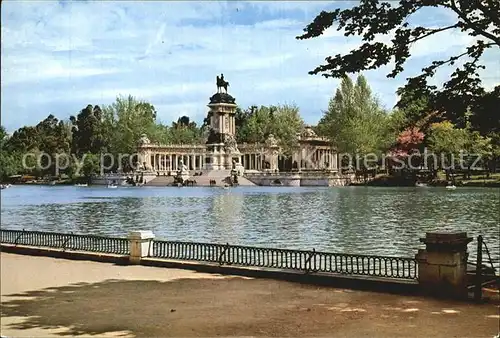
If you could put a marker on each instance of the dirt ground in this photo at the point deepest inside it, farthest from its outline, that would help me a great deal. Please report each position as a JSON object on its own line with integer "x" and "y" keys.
{"x": 44, "y": 297}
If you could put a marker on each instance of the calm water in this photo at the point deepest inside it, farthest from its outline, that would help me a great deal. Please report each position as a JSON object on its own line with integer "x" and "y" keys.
{"x": 385, "y": 221}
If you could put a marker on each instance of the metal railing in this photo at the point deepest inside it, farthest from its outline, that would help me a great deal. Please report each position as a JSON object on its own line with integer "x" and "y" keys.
{"x": 286, "y": 259}
{"x": 307, "y": 261}
{"x": 71, "y": 241}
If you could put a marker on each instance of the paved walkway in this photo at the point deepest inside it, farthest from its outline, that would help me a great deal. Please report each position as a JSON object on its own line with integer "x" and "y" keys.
{"x": 45, "y": 297}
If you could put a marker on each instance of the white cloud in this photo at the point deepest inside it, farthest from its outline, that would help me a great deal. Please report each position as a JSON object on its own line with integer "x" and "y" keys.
{"x": 170, "y": 53}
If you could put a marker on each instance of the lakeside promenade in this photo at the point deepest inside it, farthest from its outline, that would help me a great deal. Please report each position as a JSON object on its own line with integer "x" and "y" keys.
{"x": 43, "y": 297}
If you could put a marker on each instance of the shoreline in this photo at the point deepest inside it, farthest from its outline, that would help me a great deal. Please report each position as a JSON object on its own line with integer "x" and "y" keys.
{"x": 372, "y": 184}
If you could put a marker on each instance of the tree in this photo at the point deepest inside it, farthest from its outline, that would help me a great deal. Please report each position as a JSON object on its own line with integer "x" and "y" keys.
{"x": 87, "y": 131}
{"x": 90, "y": 165}
{"x": 127, "y": 119}
{"x": 9, "y": 161}
{"x": 184, "y": 131}
{"x": 448, "y": 143}
{"x": 283, "y": 121}
{"x": 23, "y": 139}
{"x": 287, "y": 125}
{"x": 240, "y": 120}
{"x": 478, "y": 18}
{"x": 354, "y": 121}
{"x": 477, "y": 147}
{"x": 408, "y": 144}
{"x": 258, "y": 125}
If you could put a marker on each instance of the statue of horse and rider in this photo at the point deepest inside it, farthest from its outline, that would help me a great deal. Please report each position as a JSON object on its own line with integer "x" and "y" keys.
{"x": 221, "y": 83}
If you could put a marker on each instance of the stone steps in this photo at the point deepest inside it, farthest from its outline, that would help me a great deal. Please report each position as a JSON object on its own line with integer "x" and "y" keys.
{"x": 221, "y": 177}
{"x": 161, "y": 181}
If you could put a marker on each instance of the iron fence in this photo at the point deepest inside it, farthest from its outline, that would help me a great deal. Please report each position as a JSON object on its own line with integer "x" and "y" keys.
{"x": 299, "y": 260}
{"x": 55, "y": 240}
{"x": 307, "y": 261}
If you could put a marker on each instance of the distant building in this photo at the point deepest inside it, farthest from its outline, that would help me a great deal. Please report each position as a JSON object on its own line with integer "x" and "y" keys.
{"x": 221, "y": 152}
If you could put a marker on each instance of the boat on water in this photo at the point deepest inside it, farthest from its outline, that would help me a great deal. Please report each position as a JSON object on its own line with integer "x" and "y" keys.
{"x": 421, "y": 185}
{"x": 81, "y": 185}
{"x": 451, "y": 187}
{"x": 112, "y": 186}
{"x": 5, "y": 186}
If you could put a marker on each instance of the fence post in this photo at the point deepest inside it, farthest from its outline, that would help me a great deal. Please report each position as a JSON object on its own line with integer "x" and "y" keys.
{"x": 141, "y": 245}
{"x": 442, "y": 266}
{"x": 478, "y": 290}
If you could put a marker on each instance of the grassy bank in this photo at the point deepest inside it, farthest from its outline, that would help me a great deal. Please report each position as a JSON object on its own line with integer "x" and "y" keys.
{"x": 398, "y": 181}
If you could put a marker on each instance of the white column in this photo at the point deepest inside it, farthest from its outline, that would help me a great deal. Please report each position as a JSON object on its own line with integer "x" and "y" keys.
{"x": 140, "y": 245}
{"x": 193, "y": 160}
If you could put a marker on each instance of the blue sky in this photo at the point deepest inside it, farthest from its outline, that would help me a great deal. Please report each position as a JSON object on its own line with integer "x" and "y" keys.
{"x": 57, "y": 57}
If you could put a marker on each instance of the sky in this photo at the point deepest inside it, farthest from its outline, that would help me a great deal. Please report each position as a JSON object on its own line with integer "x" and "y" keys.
{"x": 59, "y": 56}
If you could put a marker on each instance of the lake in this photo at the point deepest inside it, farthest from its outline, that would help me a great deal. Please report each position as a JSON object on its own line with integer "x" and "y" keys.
{"x": 370, "y": 220}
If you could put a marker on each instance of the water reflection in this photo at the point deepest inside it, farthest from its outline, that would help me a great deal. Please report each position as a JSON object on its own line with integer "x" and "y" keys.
{"x": 358, "y": 220}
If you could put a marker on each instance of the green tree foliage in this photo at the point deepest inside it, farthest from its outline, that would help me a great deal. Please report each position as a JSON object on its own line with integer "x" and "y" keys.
{"x": 240, "y": 119}
{"x": 91, "y": 165}
{"x": 255, "y": 124}
{"x": 123, "y": 124}
{"x": 50, "y": 136}
{"x": 287, "y": 125}
{"x": 354, "y": 121}
{"x": 127, "y": 119}
{"x": 184, "y": 131}
{"x": 88, "y": 131}
{"x": 9, "y": 161}
{"x": 447, "y": 141}
{"x": 371, "y": 18}
{"x": 23, "y": 139}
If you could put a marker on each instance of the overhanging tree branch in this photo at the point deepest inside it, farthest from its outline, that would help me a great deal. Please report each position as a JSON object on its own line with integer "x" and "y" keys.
{"x": 474, "y": 25}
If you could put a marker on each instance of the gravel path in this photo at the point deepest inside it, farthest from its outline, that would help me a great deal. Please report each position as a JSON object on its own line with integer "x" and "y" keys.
{"x": 44, "y": 297}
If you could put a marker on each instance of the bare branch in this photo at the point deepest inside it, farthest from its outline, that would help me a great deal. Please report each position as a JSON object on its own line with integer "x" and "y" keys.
{"x": 433, "y": 31}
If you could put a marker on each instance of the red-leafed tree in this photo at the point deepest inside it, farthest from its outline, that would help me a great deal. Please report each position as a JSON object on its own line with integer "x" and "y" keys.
{"x": 407, "y": 147}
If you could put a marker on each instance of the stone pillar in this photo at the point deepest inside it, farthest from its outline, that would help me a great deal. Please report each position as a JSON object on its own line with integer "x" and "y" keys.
{"x": 442, "y": 266}
{"x": 140, "y": 244}
{"x": 193, "y": 161}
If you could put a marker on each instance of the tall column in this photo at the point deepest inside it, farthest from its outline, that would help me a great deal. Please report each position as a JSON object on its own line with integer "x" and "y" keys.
{"x": 193, "y": 160}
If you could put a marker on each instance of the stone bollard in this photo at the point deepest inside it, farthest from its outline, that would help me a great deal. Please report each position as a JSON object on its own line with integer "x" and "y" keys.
{"x": 141, "y": 245}
{"x": 442, "y": 266}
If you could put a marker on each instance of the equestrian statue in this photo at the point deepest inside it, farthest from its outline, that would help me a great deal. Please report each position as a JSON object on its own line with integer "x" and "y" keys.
{"x": 221, "y": 83}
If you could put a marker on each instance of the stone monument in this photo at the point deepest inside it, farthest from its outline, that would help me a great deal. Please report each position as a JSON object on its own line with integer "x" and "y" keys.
{"x": 182, "y": 173}
{"x": 222, "y": 149}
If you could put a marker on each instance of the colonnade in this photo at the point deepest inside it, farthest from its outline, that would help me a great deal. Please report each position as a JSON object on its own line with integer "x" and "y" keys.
{"x": 304, "y": 159}
{"x": 171, "y": 162}
{"x": 253, "y": 161}
{"x": 316, "y": 159}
